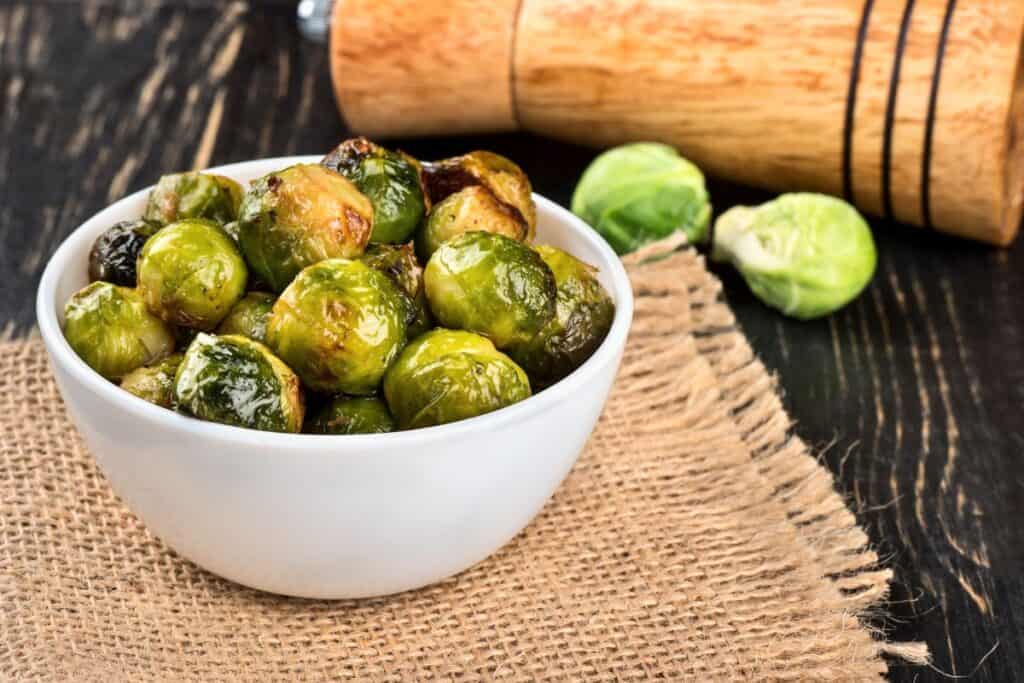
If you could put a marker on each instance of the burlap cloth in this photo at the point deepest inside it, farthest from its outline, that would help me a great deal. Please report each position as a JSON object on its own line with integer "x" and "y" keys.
{"x": 696, "y": 538}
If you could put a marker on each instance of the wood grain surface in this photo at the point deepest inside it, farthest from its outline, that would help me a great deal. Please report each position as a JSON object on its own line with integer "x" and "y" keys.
{"x": 915, "y": 393}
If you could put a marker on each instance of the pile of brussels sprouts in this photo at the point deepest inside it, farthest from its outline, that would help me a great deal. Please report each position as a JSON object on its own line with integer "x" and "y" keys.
{"x": 382, "y": 292}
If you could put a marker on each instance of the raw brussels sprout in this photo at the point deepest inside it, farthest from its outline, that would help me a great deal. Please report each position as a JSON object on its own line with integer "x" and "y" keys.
{"x": 390, "y": 180}
{"x": 193, "y": 195}
{"x": 584, "y": 314}
{"x": 491, "y": 285}
{"x": 191, "y": 274}
{"x": 499, "y": 175}
{"x": 347, "y": 415}
{"x": 471, "y": 209}
{"x": 339, "y": 325}
{"x": 114, "y": 253}
{"x": 110, "y": 328}
{"x": 449, "y": 375}
{"x": 237, "y": 381}
{"x": 805, "y": 254}
{"x": 640, "y": 193}
{"x": 249, "y": 317}
{"x": 154, "y": 383}
{"x": 300, "y": 216}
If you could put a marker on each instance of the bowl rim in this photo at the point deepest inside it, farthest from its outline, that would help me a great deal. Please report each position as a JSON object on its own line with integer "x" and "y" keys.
{"x": 60, "y": 352}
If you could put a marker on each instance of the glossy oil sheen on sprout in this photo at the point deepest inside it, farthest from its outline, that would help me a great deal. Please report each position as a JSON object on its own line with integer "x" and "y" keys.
{"x": 236, "y": 381}
{"x": 390, "y": 180}
{"x": 584, "y": 314}
{"x": 110, "y": 328}
{"x": 339, "y": 325}
{"x": 449, "y": 375}
{"x": 491, "y": 285}
{"x": 300, "y": 216}
{"x": 805, "y": 254}
{"x": 191, "y": 274}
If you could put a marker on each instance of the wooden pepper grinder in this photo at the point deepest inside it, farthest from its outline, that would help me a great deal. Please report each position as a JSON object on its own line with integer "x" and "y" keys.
{"x": 913, "y": 110}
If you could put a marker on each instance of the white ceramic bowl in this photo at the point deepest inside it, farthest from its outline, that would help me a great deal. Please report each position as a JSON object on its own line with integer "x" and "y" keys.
{"x": 333, "y": 516}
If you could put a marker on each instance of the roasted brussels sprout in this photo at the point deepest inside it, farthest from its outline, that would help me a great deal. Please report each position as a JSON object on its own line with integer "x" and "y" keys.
{"x": 300, "y": 216}
{"x": 471, "y": 209}
{"x": 390, "y": 180}
{"x": 640, "y": 193}
{"x": 110, "y": 329}
{"x": 193, "y": 195}
{"x": 191, "y": 274}
{"x": 348, "y": 415}
{"x": 154, "y": 383}
{"x": 237, "y": 381}
{"x": 249, "y": 317}
{"x": 584, "y": 314}
{"x": 339, "y": 325}
{"x": 499, "y": 175}
{"x": 449, "y": 375}
{"x": 399, "y": 263}
{"x": 802, "y": 253}
{"x": 491, "y": 285}
{"x": 114, "y": 253}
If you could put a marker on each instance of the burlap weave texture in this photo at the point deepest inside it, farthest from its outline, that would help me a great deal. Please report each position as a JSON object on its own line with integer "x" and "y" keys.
{"x": 696, "y": 538}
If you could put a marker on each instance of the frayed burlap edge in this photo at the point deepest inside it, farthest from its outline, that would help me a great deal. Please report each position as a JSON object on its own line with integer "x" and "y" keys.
{"x": 802, "y": 484}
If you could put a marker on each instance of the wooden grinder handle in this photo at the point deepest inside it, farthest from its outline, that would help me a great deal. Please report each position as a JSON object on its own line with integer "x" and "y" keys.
{"x": 913, "y": 110}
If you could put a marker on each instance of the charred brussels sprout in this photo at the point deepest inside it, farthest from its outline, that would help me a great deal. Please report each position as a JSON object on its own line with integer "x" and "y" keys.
{"x": 805, "y": 254}
{"x": 154, "y": 383}
{"x": 110, "y": 329}
{"x": 237, "y": 381}
{"x": 499, "y": 175}
{"x": 300, "y": 216}
{"x": 339, "y": 325}
{"x": 449, "y": 375}
{"x": 191, "y": 274}
{"x": 347, "y": 415}
{"x": 391, "y": 182}
{"x": 399, "y": 263}
{"x": 193, "y": 195}
{"x": 583, "y": 316}
{"x": 115, "y": 252}
{"x": 249, "y": 317}
{"x": 472, "y": 209}
{"x": 642, "y": 192}
{"x": 492, "y": 285}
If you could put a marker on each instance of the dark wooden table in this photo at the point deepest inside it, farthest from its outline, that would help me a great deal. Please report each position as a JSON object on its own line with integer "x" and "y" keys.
{"x": 914, "y": 393}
